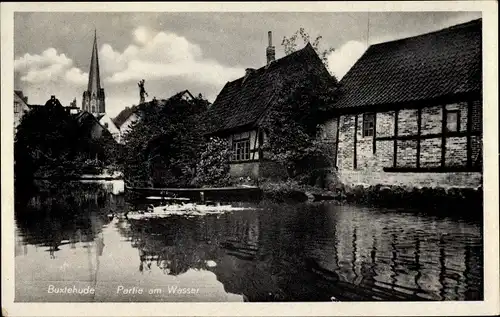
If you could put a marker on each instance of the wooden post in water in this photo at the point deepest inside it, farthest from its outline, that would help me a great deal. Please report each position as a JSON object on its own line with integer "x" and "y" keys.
{"x": 202, "y": 196}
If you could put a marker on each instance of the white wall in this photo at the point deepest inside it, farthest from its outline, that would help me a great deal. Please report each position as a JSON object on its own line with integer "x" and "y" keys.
{"x": 107, "y": 123}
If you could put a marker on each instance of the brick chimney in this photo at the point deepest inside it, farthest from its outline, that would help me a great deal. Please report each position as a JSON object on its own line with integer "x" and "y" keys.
{"x": 270, "y": 52}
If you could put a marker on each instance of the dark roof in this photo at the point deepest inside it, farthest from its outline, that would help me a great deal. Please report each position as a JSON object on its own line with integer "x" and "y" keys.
{"x": 128, "y": 111}
{"x": 242, "y": 102}
{"x": 180, "y": 94}
{"x": 84, "y": 116}
{"x": 19, "y": 93}
{"x": 424, "y": 67}
{"x": 123, "y": 115}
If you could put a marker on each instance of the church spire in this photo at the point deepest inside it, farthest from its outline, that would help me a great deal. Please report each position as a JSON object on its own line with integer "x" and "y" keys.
{"x": 93, "y": 98}
{"x": 94, "y": 78}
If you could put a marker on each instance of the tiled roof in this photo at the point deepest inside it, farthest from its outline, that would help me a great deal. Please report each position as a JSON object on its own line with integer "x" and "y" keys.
{"x": 424, "y": 67}
{"x": 243, "y": 101}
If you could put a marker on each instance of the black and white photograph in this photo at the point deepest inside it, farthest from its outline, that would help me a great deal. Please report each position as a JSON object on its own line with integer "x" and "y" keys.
{"x": 229, "y": 156}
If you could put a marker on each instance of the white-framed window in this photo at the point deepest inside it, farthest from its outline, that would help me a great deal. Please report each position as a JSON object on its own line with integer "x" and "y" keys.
{"x": 241, "y": 149}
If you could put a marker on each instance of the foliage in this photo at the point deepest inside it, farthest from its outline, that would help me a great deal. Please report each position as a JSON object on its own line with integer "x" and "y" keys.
{"x": 292, "y": 125}
{"x": 213, "y": 166}
{"x": 162, "y": 147}
{"x": 51, "y": 142}
{"x": 290, "y": 44}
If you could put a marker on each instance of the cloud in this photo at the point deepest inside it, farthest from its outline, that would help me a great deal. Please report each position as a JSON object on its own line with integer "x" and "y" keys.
{"x": 168, "y": 62}
{"x": 342, "y": 59}
{"x": 163, "y": 56}
{"x": 141, "y": 35}
{"x": 49, "y": 66}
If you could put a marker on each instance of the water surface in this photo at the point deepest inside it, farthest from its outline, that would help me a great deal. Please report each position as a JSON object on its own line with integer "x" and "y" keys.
{"x": 67, "y": 245}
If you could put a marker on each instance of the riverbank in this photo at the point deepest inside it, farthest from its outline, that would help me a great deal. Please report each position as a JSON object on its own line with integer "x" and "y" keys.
{"x": 383, "y": 195}
{"x": 105, "y": 175}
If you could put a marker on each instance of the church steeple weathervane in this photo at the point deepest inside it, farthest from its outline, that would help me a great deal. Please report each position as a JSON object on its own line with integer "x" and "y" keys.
{"x": 93, "y": 97}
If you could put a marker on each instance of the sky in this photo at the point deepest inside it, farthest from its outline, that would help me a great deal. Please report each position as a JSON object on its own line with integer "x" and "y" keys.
{"x": 199, "y": 51}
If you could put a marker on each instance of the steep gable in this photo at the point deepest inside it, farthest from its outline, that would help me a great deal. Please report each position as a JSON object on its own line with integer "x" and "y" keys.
{"x": 243, "y": 101}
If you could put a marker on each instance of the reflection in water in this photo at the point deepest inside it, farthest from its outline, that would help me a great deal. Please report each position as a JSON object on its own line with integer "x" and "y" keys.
{"x": 279, "y": 253}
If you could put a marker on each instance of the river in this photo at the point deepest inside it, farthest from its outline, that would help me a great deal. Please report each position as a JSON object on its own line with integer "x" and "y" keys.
{"x": 69, "y": 248}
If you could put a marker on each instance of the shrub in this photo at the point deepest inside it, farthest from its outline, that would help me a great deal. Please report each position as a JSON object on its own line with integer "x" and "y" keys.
{"x": 213, "y": 166}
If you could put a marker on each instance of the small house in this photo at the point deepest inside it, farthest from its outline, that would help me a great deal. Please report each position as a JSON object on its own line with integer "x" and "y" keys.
{"x": 409, "y": 111}
{"x": 109, "y": 125}
{"x": 124, "y": 120}
{"x": 241, "y": 106}
{"x": 20, "y": 106}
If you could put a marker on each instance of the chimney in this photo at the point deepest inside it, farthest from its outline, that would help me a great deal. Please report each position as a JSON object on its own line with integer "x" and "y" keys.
{"x": 270, "y": 52}
{"x": 248, "y": 71}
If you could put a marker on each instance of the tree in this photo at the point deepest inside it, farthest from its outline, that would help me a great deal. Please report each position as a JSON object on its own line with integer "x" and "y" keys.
{"x": 51, "y": 142}
{"x": 292, "y": 124}
{"x": 213, "y": 166}
{"x": 290, "y": 44}
{"x": 162, "y": 147}
{"x": 45, "y": 142}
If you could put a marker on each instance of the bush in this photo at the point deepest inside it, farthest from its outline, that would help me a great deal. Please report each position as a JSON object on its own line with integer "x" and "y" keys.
{"x": 213, "y": 166}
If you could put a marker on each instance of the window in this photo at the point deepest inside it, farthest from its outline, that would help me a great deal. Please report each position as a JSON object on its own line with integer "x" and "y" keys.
{"x": 241, "y": 150}
{"x": 368, "y": 124}
{"x": 452, "y": 121}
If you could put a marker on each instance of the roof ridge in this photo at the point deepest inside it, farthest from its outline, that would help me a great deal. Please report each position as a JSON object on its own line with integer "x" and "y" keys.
{"x": 443, "y": 30}
{"x": 279, "y": 60}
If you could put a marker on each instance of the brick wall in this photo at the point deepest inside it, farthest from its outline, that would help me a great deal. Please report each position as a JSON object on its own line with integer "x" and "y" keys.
{"x": 476, "y": 149}
{"x": 432, "y": 120}
{"x": 407, "y": 122}
{"x": 345, "y": 157}
{"x": 430, "y": 149}
{"x": 477, "y": 116}
{"x": 430, "y": 152}
{"x": 385, "y": 124}
{"x": 385, "y": 154}
{"x": 407, "y": 153}
{"x": 456, "y": 151}
{"x": 477, "y": 125}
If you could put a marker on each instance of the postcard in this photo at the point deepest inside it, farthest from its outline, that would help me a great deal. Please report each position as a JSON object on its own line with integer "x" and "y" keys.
{"x": 243, "y": 159}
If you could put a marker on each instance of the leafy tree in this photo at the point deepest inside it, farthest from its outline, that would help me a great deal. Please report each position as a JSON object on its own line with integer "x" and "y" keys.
{"x": 50, "y": 142}
{"x": 290, "y": 44}
{"x": 292, "y": 124}
{"x": 213, "y": 166}
{"x": 163, "y": 145}
{"x": 44, "y": 142}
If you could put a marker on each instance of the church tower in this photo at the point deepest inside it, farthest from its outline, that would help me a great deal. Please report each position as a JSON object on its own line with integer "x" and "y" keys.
{"x": 93, "y": 97}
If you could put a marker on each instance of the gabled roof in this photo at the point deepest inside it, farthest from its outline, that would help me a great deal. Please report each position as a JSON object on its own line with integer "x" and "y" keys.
{"x": 128, "y": 111}
{"x": 242, "y": 102}
{"x": 124, "y": 115}
{"x": 99, "y": 116}
{"x": 424, "y": 67}
{"x": 181, "y": 94}
{"x": 19, "y": 96}
{"x": 19, "y": 93}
